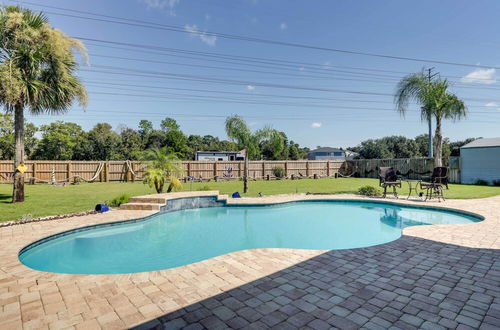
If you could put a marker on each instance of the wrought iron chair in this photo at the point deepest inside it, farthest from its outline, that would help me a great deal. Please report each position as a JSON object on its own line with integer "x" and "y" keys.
{"x": 389, "y": 178}
{"x": 434, "y": 185}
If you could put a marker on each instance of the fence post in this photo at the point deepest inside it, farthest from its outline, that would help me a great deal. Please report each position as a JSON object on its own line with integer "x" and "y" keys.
{"x": 215, "y": 169}
{"x": 68, "y": 170}
{"x": 263, "y": 169}
{"x": 286, "y": 169}
{"x": 189, "y": 169}
{"x": 308, "y": 172}
{"x": 106, "y": 171}
{"x": 34, "y": 170}
{"x": 328, "y": 168}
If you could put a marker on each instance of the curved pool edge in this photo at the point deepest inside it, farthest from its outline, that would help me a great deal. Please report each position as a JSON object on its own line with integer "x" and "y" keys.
{"x": 245, "y": 202}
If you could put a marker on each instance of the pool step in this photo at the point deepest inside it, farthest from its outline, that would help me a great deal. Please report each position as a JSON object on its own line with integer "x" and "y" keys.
{"x": 141, "y": 206}
{"x": 151, "y": 200}
{"x": 155, "y": 202}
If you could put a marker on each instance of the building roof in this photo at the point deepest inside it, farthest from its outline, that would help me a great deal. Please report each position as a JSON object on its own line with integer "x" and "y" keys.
{"x": 327, "y": 149}
{"x": 481, "y": 143}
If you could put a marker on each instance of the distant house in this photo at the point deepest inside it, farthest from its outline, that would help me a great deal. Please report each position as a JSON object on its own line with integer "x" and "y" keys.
{"x": 327, "y": 153}
{"x": 219, "y": 156}
{"x": 480, "y": 160}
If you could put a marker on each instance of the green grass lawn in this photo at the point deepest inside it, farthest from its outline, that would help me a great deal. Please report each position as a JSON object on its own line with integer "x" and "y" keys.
{"x": 44, "y": 200}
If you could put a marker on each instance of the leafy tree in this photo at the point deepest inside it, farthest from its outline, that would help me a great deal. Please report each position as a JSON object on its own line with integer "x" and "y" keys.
{"x": 130, "y": 146}
{"x": 104, "y": 142}
{"x": 36, "y": 72}
{"x": 155, "y": 140}
{"x": 163, "y": 167}
{"x": 168, "y": 124}
{"x": 274, "y": 146}
{"x": 294, "y": 152}
{"x": 58, "y": 141}
{"x": 373, "y": 149}
{"x": 145, "y": 128}
{"x": 6, "y": 136}
{"x": 176, "y": 141}
{"x": 436, "y": 102}
{"x": 400, "y": 147}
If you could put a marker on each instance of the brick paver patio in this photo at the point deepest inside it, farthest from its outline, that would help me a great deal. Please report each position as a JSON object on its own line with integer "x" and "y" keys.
{"x": 444, "y": 276}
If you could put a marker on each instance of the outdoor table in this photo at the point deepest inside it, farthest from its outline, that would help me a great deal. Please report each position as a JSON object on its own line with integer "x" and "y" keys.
{"x": 413, "y": 185}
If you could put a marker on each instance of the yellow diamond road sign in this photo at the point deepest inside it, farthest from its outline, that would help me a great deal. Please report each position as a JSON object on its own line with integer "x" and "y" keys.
{"x": 22, "y": 168}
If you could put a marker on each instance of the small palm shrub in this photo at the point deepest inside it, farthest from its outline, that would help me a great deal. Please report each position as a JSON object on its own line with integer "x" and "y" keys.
{"x": 119, "y": 200}
{"x": 368, "y": 191}
{"x": 163, "y": 168}
{"x": 279, "y": 172}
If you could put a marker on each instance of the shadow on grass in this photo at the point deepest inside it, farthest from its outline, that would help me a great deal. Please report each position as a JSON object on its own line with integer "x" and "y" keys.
{"x": 409, "y": 283}
{"x": 5, "y": 198}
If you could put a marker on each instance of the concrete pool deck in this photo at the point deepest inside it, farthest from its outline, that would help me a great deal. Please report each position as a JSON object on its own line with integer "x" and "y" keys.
{"x": 439, "y": 276}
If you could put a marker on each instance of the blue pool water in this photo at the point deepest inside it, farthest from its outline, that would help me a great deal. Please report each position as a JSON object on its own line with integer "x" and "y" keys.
{"x": 182, "y": 237}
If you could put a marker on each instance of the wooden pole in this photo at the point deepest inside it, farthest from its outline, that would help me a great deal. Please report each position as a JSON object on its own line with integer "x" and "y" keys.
{"x": 106, "y": 171}
{"x": 34, "y": 171}
{"x": 246, "y": 173}
{"x": 68, "y": 170}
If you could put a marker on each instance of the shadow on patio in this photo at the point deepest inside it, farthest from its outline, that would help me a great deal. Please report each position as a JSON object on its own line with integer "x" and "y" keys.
{"x": 409, "y": 283}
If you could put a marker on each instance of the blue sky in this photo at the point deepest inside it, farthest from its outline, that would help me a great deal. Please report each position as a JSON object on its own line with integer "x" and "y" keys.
{"x": 124, "y": 85}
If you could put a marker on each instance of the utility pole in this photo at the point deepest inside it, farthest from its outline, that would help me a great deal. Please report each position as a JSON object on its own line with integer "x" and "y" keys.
{"x": 430, "y": 153}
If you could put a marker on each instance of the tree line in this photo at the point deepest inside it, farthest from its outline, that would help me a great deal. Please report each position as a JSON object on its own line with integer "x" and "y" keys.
{"x": 402, "y": 147}
{"x": 61, "y": 140}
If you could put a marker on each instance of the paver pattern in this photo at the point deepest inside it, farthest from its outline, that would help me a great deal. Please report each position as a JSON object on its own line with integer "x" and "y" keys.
{"x": 444, "y": 276}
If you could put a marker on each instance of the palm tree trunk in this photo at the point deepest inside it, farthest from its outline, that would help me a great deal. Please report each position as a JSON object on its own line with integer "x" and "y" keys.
{"x": 245, "y": 173}
{"x": 438, "y": 155}
{"x": 18, "y": 193}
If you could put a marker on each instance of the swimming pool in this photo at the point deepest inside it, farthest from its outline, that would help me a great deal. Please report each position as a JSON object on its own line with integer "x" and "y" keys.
{"x": 178, "y": 238}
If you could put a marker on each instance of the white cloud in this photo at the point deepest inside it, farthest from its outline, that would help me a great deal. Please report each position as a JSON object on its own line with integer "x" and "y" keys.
{"x": 206, "y": 38}
{"x": 316, "y": 125}
{"x": 482, "y": 76}
{"x": 162, "y": 4}
{"x": 493, "y": 105}
{"x": 302, "y": 68}
{"x": 283, "y": 26}
{"x": 250, "y": 87}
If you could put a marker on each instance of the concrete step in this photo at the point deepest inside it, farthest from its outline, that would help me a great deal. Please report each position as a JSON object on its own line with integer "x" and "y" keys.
{"x": 150, "y": 200}
{"x": 141, "y": 206}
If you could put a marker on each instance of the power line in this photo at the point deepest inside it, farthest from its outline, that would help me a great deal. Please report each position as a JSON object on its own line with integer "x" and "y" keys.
{"x": 237, "y": 100}
{"x": 204, "y": 79}
{"x": 173, "y": 28}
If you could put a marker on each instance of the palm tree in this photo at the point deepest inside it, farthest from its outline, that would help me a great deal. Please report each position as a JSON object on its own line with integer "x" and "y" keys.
{"x": 36, "y": 73}
{"x": 163, "y": 167}
{"x": 435, "y": 101}
{"x": 237, "y": 130}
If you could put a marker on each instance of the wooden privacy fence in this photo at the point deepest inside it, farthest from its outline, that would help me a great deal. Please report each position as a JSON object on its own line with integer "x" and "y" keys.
{"x": 106, "y": 171}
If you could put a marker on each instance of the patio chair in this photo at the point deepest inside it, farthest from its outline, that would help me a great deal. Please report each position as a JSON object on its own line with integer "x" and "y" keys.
{"x": 434, "y": 184}
{"x": 388, "y": 178}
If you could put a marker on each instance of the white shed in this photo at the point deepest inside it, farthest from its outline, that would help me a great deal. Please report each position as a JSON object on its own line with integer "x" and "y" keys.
{"x": 480, "y": 160}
